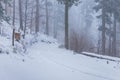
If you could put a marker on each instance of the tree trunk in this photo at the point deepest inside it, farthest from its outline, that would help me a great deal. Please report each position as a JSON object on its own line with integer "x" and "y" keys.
{"x": 31, "y": 21}
{"x": 114, "y": 36}
{"x": 103, "y": 30}
{"x": 6, "y": 8}
{"x": 110, "y": 43}
{"x": 26, "y": 5}
{"x": 37, "y": 17}
{"x": 66, "y": 25}
{"x": 55, "y": 27}
{"x": 47, "y": 18}
{"x": 20, "y": 15}
{"x": 13, "y": 23}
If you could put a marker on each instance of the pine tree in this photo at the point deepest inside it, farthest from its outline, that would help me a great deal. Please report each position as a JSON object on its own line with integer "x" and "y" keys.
{"x": 20, "y": 15}
{"x": 13, "y": 23}
{"x": 47, "y": 17}
{"x": 67, "y": 3}
{"x": 108, "y": 7}
{"x": 37, "y": 17}
{"x": 115, "y": 9}
{"x": 103, "y": 6}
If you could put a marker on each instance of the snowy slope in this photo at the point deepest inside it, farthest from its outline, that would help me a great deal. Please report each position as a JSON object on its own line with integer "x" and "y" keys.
{"x": 6, "y": 31}
{"x": 46, "y": 61}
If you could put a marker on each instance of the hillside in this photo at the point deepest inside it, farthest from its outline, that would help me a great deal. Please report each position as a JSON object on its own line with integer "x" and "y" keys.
{"x": 45, "y": 61}
{"x": 59, "y": 39}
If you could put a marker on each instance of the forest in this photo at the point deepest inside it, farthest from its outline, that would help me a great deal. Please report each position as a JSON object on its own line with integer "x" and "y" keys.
{"x": 59, "y": 39}
{"x": 79, "y": 25}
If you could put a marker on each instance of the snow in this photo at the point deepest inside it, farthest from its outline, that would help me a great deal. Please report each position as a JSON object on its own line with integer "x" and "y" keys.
{"x": 102, "y": 56}
{"x": 5, "y": 44}
{"x": 45, "y": 61}
{"x": 6, "y": 29}
{"x": 6, "y": 40}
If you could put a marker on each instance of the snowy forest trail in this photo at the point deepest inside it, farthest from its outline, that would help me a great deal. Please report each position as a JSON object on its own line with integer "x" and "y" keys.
{"x": 46, "y": 61}
{"x": 77, "y": 66}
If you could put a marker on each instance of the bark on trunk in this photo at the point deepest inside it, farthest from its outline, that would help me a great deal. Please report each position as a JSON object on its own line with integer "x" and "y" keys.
{"x": 13, "y": 23}
{"x": 103, "y": 30}
{"x": 20, "y": 15}
{"x": 114, "y": 36}
{"x": 37, "y": 17}
{"x": 66, "y": 25}
{"x": 26, "y": 5}
{"x": 47, "y": 18}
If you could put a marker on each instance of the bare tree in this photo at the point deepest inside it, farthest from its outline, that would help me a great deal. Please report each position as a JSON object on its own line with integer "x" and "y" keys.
{"x": 31, "y": 20}
{"x": 47, "y": 17}
{"x": 37, "y": 17}
{"x": 103, "y": 29}
{"x": 114, "y": 36}
{"x": 20, "y": 15}
{"x": 26, "y": 8}
{"x": 66, "y": 25}
{"x": 13, "y": 23}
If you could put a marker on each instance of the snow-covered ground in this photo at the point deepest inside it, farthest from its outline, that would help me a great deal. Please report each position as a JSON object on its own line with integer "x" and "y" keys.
{"x": 45, "y": 61}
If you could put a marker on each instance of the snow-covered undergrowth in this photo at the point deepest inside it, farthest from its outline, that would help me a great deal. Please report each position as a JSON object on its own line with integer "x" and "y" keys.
{"x": 5, "y": 37}
{"x": 46, "y": 61}
{"x": 6, "y": 40}
{"x": 4, "y": 45}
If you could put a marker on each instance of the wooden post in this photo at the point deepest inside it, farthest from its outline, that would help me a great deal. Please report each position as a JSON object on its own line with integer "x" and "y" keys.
{"x": 17, "y": 36}
{"x": 13, "y": 36}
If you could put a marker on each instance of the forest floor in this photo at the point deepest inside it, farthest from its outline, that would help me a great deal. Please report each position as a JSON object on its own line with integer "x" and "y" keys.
{"x": 44, "y": 60}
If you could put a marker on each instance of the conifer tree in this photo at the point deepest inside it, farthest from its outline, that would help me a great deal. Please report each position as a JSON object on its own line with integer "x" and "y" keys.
{"x": 67, "y": 3}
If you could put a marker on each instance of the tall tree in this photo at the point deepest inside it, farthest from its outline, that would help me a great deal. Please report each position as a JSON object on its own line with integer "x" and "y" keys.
{"x": 67, "y": 3}
{"x": 103, "y": 27}
{"x": 47, "y": 17}
{"x": 2, "y": 10}
{"x": 26, "y": 9}
{"x": 20, "y": 15}
{"x": 115, "y": 8}
{"x": 13, "y": 23}
{"x": 66, "y": 26}
{"x": 114, "y": 36}
{"x": 103, "y": 6}
{"x": 108, "y": 7}
{"x": 31, "y": 18}
{"x": 37, "y": 17}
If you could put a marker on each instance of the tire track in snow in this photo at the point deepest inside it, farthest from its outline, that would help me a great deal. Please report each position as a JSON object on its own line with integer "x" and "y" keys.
{"x": 75, "y": 69}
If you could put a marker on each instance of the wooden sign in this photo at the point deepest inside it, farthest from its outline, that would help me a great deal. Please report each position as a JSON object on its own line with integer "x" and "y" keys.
{"x": 17, "y": 36}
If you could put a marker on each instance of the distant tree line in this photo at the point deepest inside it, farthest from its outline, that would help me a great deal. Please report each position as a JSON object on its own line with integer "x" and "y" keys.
{"x": 110, "y": 17}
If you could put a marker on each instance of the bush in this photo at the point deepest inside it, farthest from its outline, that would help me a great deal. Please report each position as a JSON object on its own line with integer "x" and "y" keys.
{"x": 80, "y": 42}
